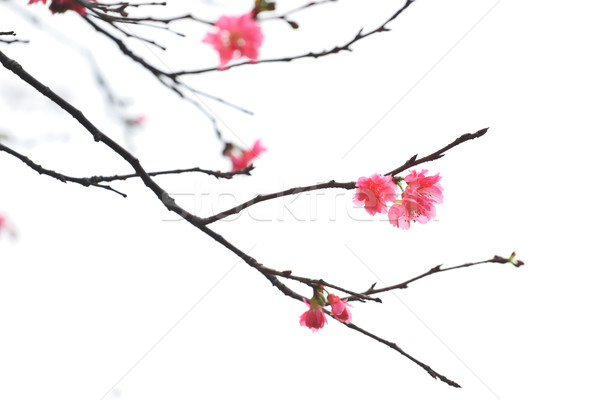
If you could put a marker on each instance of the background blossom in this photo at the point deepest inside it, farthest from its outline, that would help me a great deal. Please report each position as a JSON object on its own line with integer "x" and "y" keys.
{"x": 236, "y": 37}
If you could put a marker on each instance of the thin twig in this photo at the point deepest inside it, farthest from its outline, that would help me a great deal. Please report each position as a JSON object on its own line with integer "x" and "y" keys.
{"x": 61, "y": 177}
{"x": 395, "y": 347}
{"x": 263, "y": 197}
{"x": 217, "y": 174}
{"x": 9, "y": 41}
{"x": 413, "y": 161}
{"x": 434, "y": 270}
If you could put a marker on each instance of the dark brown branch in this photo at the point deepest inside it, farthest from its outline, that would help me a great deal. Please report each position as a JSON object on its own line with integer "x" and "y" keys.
{"x": 61, "y": 177}
{"x": 9, "y": 41}
{"x": 395, "y": 347}
{"x": 263, "y": 197}
{"x": 346, "y": 47}
{"x": 435, "y": 270}
{"x": 413, "y": 161}
{"x": 217, "y": 174}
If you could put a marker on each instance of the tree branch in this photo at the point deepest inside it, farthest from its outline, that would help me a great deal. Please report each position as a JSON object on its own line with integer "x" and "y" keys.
{"x": 263, "y": 197}
{"x": 9, "y": 41}
{"x": 435, "y": 270}
{"x": 61, "y": 177}
{"x": 341, "y": 185}
{"x": 216, "y": 174}
{"x": 288, "y": 292}
{"x": 413, "y": 161}
{"x": 395, "y": 347}
{"x": 171, "y": 205}
{"x": 346, "y": 47}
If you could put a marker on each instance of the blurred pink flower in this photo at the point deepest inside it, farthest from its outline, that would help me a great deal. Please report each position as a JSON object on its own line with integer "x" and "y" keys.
{"x": 60, "y": 6}
{"x": 6, "y": 226}
{"x": 139, "y": 120}
{"x": 339, "y": 308}
{"x": 374, "y": 192}
{"x": 314, "y": 318}
{"x": 418, "y": 200}
{"x": 236, "y": 37}
{"x": 242, "y": 159}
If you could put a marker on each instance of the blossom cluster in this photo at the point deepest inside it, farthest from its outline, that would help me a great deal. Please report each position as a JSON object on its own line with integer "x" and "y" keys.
{"x": 416, "y": 203}
{"x": 315, "y": 319}
{"x": 61, "y": 6}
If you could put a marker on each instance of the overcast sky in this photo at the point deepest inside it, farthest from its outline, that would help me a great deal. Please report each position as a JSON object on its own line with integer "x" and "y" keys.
{"x": 105, "y": 297}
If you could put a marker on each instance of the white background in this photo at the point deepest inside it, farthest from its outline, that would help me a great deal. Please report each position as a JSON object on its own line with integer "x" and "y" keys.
{"x": 105, "y": 297}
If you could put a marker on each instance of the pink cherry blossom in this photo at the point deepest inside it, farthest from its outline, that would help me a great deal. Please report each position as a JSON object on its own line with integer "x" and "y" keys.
{"x": 418, "y": 200}
{"x": 374, "y": 192}
{"x": 411, "y": 208}
{"x": 426, "y": 186}
{"x": 60, "y": 6}
{"x": 6, "y": 226}
{"x": 240, "y": 159}
{"x": 314, "y": 318}
{"x": 236, "y": 37}
{"x": 339, "y": 308}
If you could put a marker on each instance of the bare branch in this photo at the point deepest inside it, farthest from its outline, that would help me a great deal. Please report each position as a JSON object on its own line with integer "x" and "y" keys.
{"x": 435, "y": 270}
{"x": 9, "y": 41}
{"x": 413, "y": 161}
{"x": 61, "y": 177}
{"x": 264, "y": 197}
{"x": 395, "y": 347}
{"x": 217, "y": 174}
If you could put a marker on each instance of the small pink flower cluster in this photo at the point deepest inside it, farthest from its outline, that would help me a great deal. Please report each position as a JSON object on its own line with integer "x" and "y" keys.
{"x": 60, "y": 6}
{"x": 236, "y": 37}
{"x": 240, "y": 159}
{"x": 416, "y": 203}
{"x": 315, "y": 319}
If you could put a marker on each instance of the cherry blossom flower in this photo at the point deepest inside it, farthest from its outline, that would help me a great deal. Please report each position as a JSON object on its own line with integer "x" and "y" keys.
{"x": 426, "y": 186}
{"x": 410, "y": 208}
{"x": 236, "y": 37}
{"x": 374, "y": 192}
{"x": 339, "y": 308}
{"x": 240, "y": 159}
{"x": 60, "y": 6}
{"x": 314, "y": 318}
{"x": 418, "y": 200}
